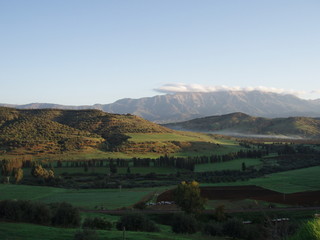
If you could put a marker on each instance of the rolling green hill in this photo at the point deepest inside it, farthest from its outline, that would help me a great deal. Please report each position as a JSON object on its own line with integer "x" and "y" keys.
{"x": 240, "y": 123}
{"x": 54, "y": 131}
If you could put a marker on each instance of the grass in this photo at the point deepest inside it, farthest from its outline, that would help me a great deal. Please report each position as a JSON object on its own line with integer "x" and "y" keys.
{"x": 84, "y": 198}
{"x": 300, "y": 180}
{"x": 198, "y": 144}
{"x": 177, "y": 136}
{"x": 22, "y": 231}
{"x": 229, "y": 165}
{"x": 111, "y": 218}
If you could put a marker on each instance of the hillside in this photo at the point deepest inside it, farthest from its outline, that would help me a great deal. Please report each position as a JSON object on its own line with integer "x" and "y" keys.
{"x": 240, "y": 123}
{"x": 186, "y": 106}
{"x": 55, "y": 131}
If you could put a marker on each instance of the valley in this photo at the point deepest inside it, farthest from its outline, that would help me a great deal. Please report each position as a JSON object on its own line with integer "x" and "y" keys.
{"x": 108, "y": 166}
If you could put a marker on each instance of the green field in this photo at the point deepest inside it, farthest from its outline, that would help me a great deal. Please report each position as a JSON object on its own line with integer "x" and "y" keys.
{"x": 196, "y": 144}
{"x": 21, "y": 231}
{"x": 299, "y": 180}
{"x": 84, "y": 198}
{"x": 178, "y": 136}
{"x": 229, "y": 165}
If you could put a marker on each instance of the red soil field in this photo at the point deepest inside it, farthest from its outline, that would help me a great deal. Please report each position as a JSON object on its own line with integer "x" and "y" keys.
{"x": 255, "y": 193}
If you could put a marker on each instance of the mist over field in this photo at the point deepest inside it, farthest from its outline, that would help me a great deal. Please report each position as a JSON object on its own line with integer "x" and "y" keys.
{"x": 244, "y": 135}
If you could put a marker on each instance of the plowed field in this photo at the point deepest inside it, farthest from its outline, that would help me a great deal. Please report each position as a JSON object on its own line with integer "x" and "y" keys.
{"x": 255, "y": 193}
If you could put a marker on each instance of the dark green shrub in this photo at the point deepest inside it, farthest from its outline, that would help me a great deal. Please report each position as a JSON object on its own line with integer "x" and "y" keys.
{"x": 137, "y": 222}
{"x": 234, "y": 228}
{"x": 254, "y": 232}
{"x": 220, "y": 213}
{"x": 85, "y": 234}
{"x": 41, "y": 214}
{"x": 25, "y": 211}
{"x": 65, "y": 215}
{"x": 309, "y": 230}
{"x": 183, "y": 223}
{"x": 212, "y": 229}
{"x": 140, "y": 205}
{"x": 97, "y": 223}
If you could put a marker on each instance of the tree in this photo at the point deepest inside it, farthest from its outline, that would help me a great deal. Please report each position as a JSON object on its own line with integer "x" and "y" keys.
{"x": 234, "y": 228}
{"x": 219, "y": 213}
{"x": 39, "y": 172}
{"x": 65, "y": 215}
{"x": 6, "y": 169}
{"x": 113, "y": 168}
{"x": 136, "y": 222}
{"x": 183, "y": 223}
{"x": 85, "y": 167}
{"x": 97, "y": 223}
{"x": 18, "y": 174}
{"x": 59, "y": 164}
{"x": 243, "y": 166}
{"x": 187, "y": 197}
{"x": 213, "y": 229}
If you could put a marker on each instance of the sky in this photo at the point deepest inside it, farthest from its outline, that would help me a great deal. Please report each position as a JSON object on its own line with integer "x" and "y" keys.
{"x": 81, "y": 52}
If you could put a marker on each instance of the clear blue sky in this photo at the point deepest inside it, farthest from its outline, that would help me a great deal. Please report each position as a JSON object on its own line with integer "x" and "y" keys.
{"x": 85, "y": 52}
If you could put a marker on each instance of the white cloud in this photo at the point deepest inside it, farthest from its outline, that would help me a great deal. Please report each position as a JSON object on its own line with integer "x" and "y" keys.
{"x": 181, "y": 87}
{"x": 315, "y": 92}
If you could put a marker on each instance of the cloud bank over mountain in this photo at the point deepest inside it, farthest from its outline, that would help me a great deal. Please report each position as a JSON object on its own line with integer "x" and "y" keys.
{"x": 172, "y": 88}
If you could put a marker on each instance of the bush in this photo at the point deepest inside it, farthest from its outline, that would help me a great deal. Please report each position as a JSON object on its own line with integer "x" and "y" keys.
{"x": 140, "y": 205}
{"x": 309, "y": 230}
{"x": 137, "y": 222}
{"x": 25, "y": 211}
{"x": 278, "y": 229}
{"x": 65, "y": 215}
{"x": 234, "y": 228}
{"x": 254, "y": 232}
{"x": 97, "y": 223}
{"x": 220, "y": 213}
{"x": 183, "y": 223}
{"x": 86, "y": 234}
{"x": 212, "y": 229}
{"x": 41, "y": 214}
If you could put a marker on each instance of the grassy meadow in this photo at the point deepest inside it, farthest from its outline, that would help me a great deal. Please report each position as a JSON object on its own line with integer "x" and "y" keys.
{"x": 300, "y": 180}
{"x": 22, "y": 231}
{"x": 229, "y": 165}
{"x": 83, "y": 198}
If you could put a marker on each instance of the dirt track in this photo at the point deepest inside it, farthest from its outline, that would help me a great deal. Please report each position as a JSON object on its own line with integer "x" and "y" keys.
{"x": 166, "y": 211}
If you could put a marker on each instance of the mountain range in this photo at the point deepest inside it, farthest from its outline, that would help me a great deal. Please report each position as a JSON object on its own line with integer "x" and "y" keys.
{"x": 242, "y": 124}
{"x": 185, "y": 106}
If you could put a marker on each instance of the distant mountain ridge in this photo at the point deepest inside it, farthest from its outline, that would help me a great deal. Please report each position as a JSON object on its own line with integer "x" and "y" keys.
{"x": 240, "y": 123}
{"x": 186, "y": 106}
